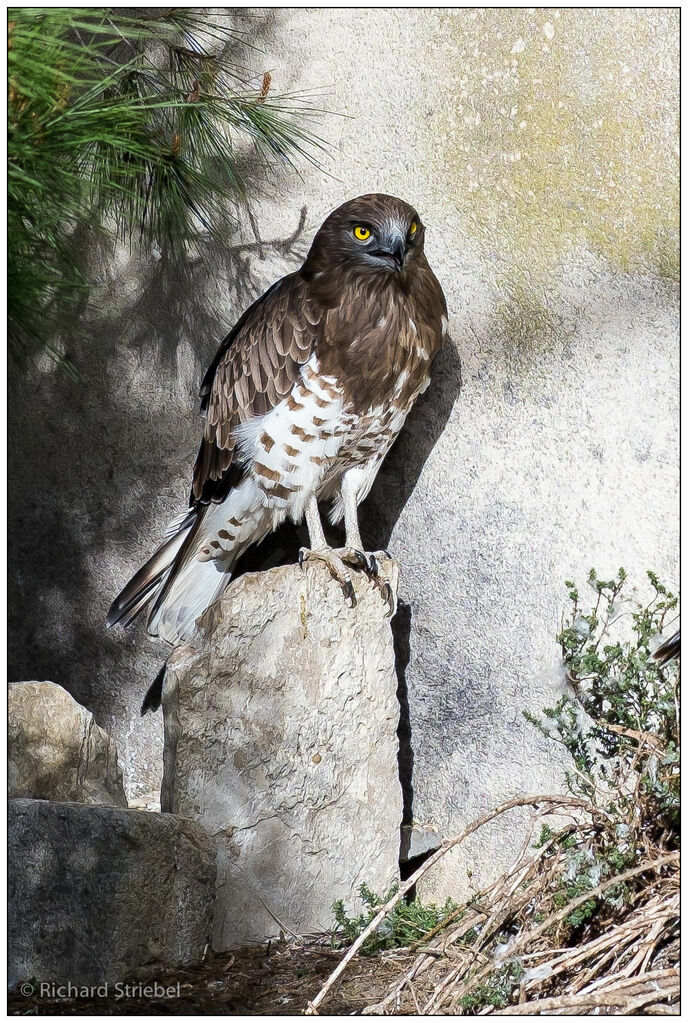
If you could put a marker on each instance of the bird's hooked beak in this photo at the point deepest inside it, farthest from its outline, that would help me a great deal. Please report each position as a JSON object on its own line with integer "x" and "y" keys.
{"x": 393, "y": 251}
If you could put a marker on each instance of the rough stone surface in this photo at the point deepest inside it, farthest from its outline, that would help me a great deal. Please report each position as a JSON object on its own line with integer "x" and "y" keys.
{"x": 55, "y": 749}
{"x": 280, "y": 738}
{"x": 558, "y": 453}
{"x": 417, "y": 841}
{"x": 98, "y": 894}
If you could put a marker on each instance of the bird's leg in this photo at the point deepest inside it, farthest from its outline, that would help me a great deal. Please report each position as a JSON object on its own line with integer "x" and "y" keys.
{"x": 354, "y": 544}
{"x": 319, "y": 551}
{"x": 352, "y": 553}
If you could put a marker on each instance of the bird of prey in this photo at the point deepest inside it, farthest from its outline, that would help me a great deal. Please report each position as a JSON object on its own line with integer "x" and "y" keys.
{"x": 301, "y": 403}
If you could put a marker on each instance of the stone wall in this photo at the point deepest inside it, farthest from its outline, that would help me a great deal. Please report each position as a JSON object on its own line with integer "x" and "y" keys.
{"x": 542, "y": 447}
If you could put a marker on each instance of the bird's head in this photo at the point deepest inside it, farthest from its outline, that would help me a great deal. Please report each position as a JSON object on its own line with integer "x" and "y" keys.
{"x": 375, "y": 233}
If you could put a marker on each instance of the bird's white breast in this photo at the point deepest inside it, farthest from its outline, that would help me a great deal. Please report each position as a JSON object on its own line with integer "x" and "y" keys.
{"x": 290, "y": 449}
{"x": 301, "y": 448}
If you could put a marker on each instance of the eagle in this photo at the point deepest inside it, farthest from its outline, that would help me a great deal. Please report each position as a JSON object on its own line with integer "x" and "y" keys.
{"x": 301, "y": 403}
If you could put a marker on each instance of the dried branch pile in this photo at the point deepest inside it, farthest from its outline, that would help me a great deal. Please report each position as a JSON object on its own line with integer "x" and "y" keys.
{"x": 621, "y": 965}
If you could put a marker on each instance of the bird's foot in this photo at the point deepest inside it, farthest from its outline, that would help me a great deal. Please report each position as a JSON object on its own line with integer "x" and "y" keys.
{"x": 334, "y": 559}
{"x": 379, "y": 580}
{"x": 337, "y": 559}
{"x": 370, "y": 563}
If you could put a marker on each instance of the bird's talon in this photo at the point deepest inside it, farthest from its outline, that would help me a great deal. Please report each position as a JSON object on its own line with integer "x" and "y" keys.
{"x": 388, "y": 595}
{"x": 303, "y": 557}
{"x": 349, "y": 593}
{"x": 360, "y": 558}
{"x": 368, "y": 562}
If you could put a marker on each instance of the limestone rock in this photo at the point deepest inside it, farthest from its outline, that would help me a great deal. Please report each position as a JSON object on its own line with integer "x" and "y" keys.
{"x": 418, "y": 840}
{"x": 56, "y": 750}
{"x": 98, "y": 893}
{"x": 280, "y": 737}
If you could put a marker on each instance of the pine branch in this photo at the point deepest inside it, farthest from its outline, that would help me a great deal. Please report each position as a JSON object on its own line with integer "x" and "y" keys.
{"x": 134, "y": 119}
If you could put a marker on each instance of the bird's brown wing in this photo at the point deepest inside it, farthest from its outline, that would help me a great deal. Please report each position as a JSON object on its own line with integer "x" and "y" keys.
{"x": 254, "y": 369}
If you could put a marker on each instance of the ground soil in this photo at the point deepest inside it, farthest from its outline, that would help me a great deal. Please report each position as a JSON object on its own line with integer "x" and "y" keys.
{"x": 277, "y": 979}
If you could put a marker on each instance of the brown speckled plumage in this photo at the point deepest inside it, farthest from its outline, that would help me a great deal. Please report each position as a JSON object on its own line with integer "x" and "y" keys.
{"x": 315, "y": 380}
{"x": 358, "y": 322}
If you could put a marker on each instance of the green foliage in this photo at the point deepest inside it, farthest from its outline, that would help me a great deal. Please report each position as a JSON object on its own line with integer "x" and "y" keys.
{"x": 622, "y": 731}
{"x": 620, "y": 726}
{"x": 585, "y": 862}
{"x": 407, "y": 924}
{"x": 628, "y": 731}
{"x": 497, "y": 990}
{"x": 132, "y": 119}
{"x": 546, "y": 834}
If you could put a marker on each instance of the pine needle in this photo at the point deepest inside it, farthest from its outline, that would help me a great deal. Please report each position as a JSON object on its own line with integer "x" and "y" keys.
{"x": 134, "y": 119}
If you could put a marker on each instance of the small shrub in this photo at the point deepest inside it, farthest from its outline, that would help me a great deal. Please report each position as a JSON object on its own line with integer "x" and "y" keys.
{"x": 407, "y": 924}
{"x": 621, "y": 723}
{"x": 497, "y": 991}
{"x": 620, "y": 726}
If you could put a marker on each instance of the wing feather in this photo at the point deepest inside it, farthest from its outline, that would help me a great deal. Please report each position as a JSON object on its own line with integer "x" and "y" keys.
{"x": 254, "y": 368}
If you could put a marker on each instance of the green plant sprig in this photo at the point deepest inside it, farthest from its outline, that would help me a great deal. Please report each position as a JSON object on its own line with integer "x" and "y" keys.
{"x": 406, "y": 925}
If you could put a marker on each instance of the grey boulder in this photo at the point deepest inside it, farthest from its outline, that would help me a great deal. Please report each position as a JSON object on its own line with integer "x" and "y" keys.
{"x": 98, "y": 893}
{"x": 280, "y": 737}
{"x": 55, "y": 749}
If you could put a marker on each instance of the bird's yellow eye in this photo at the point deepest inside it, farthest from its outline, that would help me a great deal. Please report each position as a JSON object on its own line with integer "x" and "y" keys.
{"x": 361, "y": 233}
{"x": 413, "y": 228}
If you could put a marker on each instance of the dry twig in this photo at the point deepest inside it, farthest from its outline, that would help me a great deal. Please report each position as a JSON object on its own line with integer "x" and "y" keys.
{"x": 553, "y": 801}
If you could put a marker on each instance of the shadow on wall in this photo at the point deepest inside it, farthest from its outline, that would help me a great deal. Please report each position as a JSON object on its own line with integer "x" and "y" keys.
{"x": 95, "y": 466}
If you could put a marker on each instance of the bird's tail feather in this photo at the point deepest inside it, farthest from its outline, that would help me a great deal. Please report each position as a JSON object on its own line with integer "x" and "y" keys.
{"x": 181, "y": 580}
{"x": 195, "y": 580}
{"x": 143, "y": 586}
{"x": 190, "y": 588}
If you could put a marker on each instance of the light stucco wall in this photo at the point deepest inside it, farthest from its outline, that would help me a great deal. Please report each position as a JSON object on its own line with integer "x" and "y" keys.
{"x": 535, "y": 454}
